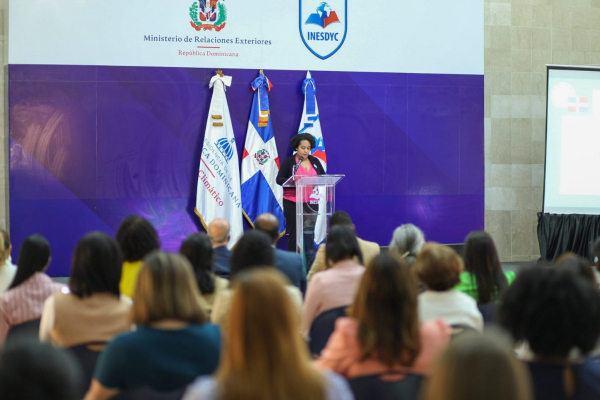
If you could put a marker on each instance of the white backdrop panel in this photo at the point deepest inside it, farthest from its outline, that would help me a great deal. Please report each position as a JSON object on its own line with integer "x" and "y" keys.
{"x": 424, "y": 36}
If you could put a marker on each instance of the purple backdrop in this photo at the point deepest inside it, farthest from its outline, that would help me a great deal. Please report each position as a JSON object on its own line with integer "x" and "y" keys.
{"x": 90, "y": 145}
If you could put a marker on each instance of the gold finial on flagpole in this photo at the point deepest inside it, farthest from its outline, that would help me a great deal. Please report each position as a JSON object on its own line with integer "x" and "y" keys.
{"x": 220, "y": 73}
{"x": 261, "y": 72}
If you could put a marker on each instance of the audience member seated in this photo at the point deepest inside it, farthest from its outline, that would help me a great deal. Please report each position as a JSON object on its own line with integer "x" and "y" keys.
{"x": 172, "y": 345}
{"x": 265, "y": 357}
{"x": 479, "y": 367}
{"x": 24, "y": 300}
{"x": 199, "y": 252}
{"x": 7, "y": 269}
{"x": 383, "y": 334}
{"x": 557, "y": 313}
{"x": 368, "y": 249}
{"x": 137, "y": 238}
{"x": 94, "y": 310}
{"x": 218, "y": 233}
{"x": 407, "y": 242}
{"x": 483, "y": 278}
{"x": 439, "y": 268}
{"x": 595, "y": 249}
{"x": 288, "y": 262}
{"x": 336, "y": 286}
{"x": 580, "y": 266}
{"x": 36, "y": 371}
{"x": 252, "y": 251}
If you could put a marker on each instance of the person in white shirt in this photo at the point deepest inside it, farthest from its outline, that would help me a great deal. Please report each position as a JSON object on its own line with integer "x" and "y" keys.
{"x": 7, "y": 268}
{"x": 439, "y": 268}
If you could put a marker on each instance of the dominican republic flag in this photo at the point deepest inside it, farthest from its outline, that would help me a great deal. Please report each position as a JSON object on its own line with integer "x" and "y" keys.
{"x": 311, "y": 123}
{"x": 578, "y": 104}
{"x": 218, "y": 194}
{"x": 260, "y": 162}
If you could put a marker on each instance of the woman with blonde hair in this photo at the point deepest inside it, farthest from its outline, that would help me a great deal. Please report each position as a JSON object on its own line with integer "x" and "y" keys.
{"x": 479, "y": 367}
{"x": 172, "y": 345}
{"x": 265, "y": 357}
{"x": 383, "y": 333}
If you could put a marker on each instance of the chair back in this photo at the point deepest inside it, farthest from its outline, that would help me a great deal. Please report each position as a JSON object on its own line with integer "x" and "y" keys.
{"x": 459, "y": 330}
{"x": 146, "y": 393}
{"x": 322, "y": 327}
{"x": 380, "y": 387}
{"x": 28, "y": 331}
{"x": 87, "y": 356}
{"x": 488, "y": 312}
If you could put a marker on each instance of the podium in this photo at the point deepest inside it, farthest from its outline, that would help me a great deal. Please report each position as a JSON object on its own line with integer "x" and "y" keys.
{"x": 315, "y": 203}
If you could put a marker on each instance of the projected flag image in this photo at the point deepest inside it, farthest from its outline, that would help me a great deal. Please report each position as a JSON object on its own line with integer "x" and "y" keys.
{"x": 578, "y": 104}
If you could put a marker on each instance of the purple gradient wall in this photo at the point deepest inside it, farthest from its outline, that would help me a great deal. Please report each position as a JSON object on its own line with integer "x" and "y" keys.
{"x": 90, "y": 145}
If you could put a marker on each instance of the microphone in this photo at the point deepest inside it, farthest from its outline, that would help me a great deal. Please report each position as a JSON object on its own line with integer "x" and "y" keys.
{"x": 295, "y": 168}
{"x": 299, "y": 162}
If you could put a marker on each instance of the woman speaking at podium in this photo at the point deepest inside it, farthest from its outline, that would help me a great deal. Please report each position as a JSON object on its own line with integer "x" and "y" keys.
{"x": 300, "y": 164}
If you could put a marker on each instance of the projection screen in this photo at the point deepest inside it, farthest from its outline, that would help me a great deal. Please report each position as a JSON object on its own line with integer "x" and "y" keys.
{"x": 572, "y": 167}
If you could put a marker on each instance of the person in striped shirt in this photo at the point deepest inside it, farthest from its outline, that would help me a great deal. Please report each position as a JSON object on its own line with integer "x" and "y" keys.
{"x": 24, "y": 300}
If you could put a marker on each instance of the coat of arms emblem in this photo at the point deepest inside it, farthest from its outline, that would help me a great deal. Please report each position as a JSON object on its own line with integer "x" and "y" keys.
{"x": 208, "y": 15}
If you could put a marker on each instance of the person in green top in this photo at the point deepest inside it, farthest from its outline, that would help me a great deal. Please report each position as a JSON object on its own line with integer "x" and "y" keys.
{"x": 483, "y": 278}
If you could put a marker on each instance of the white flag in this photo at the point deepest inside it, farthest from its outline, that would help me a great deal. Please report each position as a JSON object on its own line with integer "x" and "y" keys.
{"x": 218, "y": 194}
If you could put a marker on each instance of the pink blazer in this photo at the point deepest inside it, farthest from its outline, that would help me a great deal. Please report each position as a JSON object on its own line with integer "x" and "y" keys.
{"x": 342, "y": 352}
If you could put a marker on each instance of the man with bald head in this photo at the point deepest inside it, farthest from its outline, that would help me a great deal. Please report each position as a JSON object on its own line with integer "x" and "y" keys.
{"x": 218, "y": 233}
{"x": 288, "y": 262}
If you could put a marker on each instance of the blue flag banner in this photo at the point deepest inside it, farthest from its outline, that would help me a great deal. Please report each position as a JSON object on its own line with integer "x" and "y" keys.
{"x": 310, "y": 123}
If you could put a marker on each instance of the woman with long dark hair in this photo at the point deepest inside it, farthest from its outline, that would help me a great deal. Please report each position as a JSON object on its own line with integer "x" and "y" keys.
{"x": 24, "y": 300}
{"x": 483, "y": 278}
{"x": 199, "y": 252}
{"x": 383, "y": 334}
{"x": 335, "y": 287}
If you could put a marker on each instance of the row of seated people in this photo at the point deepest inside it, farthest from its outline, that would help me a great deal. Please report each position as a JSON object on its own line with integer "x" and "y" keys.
{"x": 402, "y": 310}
